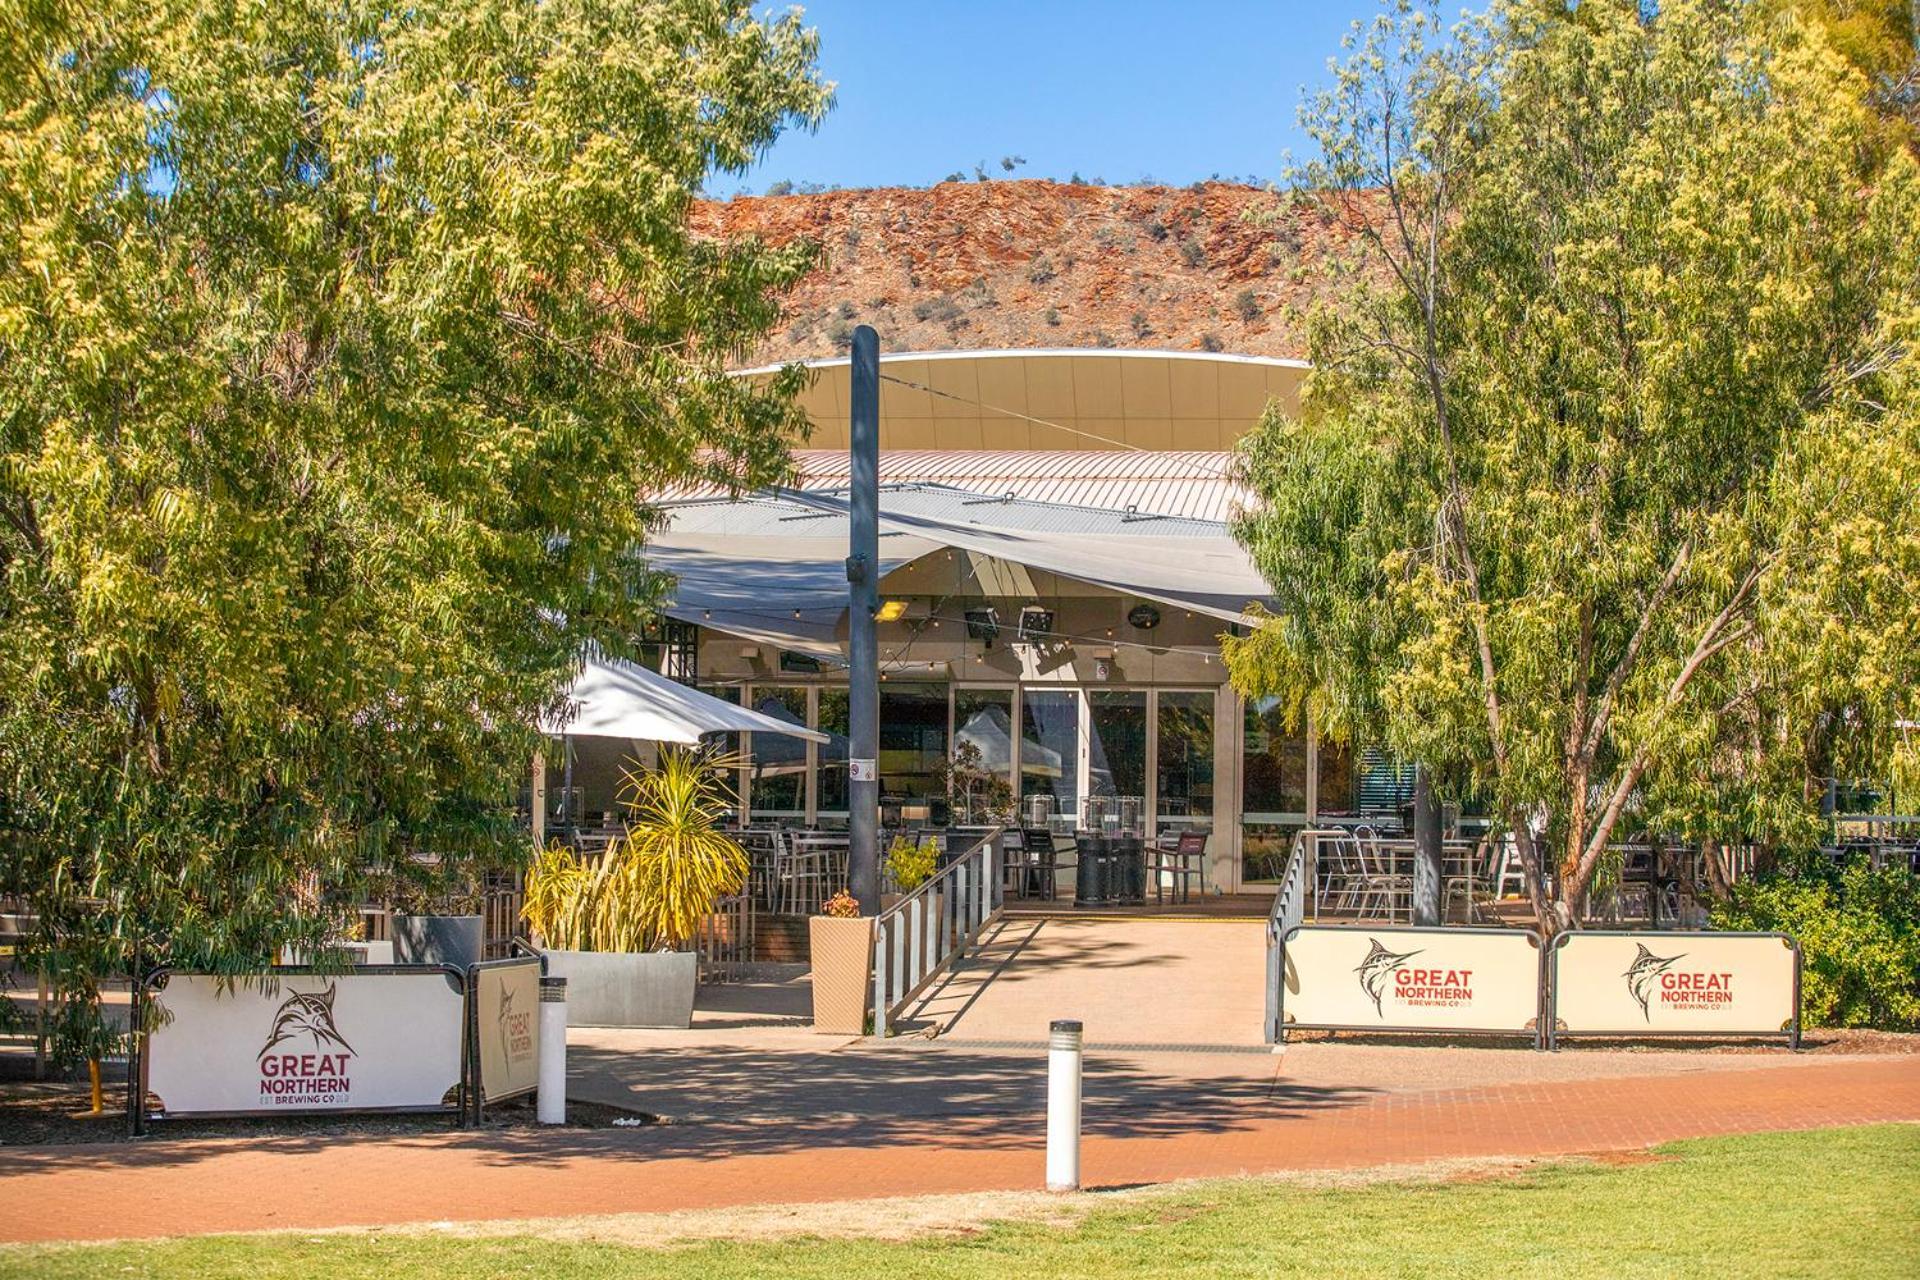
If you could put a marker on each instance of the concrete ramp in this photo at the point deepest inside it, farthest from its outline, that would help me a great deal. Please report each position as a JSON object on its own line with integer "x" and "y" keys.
{"x": 1132, "y": 982}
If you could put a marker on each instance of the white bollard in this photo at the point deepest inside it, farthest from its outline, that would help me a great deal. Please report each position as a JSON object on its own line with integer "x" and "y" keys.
{"x": 550, "y": 1105}
{"x": 1063, "y": 1107}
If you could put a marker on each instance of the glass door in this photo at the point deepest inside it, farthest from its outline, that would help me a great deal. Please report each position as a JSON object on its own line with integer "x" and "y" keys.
{"x": 1183, "y": 759}
{"x": 1116, "y": 759}
{"x": 1050, "y": 757}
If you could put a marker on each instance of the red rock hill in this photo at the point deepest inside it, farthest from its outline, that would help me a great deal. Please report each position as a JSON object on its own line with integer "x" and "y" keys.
{"x": 971, "y": 265}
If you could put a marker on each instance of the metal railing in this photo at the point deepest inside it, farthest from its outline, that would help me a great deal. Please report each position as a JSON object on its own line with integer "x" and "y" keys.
{"x": 1289, "y": 909}
{"x": 725, "y": 940}
{"x": 918, "y": 937}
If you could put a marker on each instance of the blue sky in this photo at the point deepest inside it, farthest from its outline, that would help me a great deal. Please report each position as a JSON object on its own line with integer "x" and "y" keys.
{"x": 1120, "y": 90}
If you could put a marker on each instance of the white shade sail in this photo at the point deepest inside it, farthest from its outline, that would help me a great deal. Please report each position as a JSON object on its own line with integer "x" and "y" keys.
{"x": 615, "y": 699}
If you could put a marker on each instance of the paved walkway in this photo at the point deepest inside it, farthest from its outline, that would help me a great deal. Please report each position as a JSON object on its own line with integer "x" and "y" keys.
{"x": 1130, "y": 982}
{"x": 769, "y": 1117}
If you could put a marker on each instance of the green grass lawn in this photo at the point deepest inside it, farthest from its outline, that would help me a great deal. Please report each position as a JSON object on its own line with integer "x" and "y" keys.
{"x": 1842, "y": 1202}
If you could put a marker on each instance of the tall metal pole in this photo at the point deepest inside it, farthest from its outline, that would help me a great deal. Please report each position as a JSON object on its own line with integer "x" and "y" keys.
{"x": 863, "y": 600}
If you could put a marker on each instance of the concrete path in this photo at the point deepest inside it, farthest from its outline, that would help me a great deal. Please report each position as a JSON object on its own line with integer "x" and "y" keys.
{"x": 775, "y": 1115}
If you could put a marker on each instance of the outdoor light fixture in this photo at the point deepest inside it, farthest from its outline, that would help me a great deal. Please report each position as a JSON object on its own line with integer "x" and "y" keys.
{"x": 983, "y": 625}
{"x": 1036, "y": 624}
{"x": 890, "y": 611}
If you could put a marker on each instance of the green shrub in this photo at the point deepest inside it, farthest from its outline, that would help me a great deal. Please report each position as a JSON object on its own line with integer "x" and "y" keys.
{"x": 910, "y": 864}
{"x": 1859, "y": 936}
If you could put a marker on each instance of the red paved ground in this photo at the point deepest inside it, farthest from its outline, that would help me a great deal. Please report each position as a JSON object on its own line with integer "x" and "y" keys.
{"x": 172, "y": 1188}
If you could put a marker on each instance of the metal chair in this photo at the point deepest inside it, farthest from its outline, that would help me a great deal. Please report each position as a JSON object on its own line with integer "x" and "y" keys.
{"x": 1186, "y": 860}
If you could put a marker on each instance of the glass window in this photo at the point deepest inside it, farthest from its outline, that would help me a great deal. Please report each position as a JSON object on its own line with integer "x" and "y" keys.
{"x": 1184, "y": 770}
{"x": 777, "y": 769}
{"x": 725, "y": 743}
{"x": 831, "y": 797}
{"x": 1116, "y": 758}
{"x": 1273, "y": 788}
{"x": 1050, "y": 753}
{"x": 1274, "y": 760}
{"x": 1334, "y": 796}
{"x": 913, "y": 741}
{"x": 983, "y": 721}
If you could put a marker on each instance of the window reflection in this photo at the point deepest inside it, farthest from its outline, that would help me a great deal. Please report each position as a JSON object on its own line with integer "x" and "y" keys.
{"x": 1049, "y": 753}
{"x": 913, "y": 745}
{"x": 778, "y": 767}
{"x": 1184, "y": 768}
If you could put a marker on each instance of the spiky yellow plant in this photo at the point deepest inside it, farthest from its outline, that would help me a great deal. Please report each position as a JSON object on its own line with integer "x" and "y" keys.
{"x": 656, "y": 883}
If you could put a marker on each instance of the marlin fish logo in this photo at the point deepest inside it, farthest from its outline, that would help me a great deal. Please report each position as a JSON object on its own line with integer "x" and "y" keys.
{"x": 309, "y": 1014}
{"x": 506, "y": 1012}
{"x": 1374, "y": 969}
{"x": 1640, "y": 975}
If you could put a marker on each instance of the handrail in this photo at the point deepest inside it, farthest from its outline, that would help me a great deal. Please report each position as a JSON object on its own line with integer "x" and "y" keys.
{"x": 1289, "y": 909}
{"x": 918, "y": 937}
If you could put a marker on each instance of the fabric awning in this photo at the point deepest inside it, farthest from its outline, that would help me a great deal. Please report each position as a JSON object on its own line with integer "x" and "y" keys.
{"x": 615, "y": 699}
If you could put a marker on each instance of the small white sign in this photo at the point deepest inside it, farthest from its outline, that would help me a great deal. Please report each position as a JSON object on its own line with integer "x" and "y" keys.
{"x": 863, "y": 770}
{"x": 311, "y": 1043}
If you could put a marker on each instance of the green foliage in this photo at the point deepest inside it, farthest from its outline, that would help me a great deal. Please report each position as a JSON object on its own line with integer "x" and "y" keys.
{"x": 660, "y": 879}
{"x": 1859, "y": 936}
{"x": 912, "y": 865}
{"x": 339, "y": 347}
{"x": 1602, "y": 501}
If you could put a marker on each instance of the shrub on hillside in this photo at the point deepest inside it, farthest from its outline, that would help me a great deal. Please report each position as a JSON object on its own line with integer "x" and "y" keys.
{"x": 1859, "y": 936}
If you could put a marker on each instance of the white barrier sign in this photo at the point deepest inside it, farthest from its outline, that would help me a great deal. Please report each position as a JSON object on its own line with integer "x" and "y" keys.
{"x": 1674, "y": 983}
{"x": 310, "y": 1044}
{"x": 506, "y": 1002}
{"x": 1411, "y": 979}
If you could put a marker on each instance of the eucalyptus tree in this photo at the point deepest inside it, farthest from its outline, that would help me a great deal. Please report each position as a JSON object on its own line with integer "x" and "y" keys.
{"x": 340, "y": 345}
{"x": 1602, "y": 498}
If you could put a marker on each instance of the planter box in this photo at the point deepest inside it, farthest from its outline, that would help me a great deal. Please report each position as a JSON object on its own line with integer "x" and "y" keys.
{"x": 627, "y": 989}
{"x": 842, "y": 953}
{"x": 456, "y": 940}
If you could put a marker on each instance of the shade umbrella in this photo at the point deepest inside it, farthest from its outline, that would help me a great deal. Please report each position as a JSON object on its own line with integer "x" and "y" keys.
{"x": 616, "y": 699}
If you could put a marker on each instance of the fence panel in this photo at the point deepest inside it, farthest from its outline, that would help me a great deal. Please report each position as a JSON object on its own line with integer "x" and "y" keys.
{"x": 380, "y": 1038}
{"x": 1387, "y": 978}
{"x": 506, "y": 1027}
{"x": 1675, "y": 984}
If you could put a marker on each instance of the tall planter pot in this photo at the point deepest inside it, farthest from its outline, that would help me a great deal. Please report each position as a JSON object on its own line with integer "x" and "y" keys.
{"x": 842, "y": 952}
{"x": 627, "y": 989}
{"x": 456, "y": 940}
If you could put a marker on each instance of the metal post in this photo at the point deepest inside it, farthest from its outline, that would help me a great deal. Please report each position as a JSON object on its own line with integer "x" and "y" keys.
{"x": 1426, "y": 850}
{"x": 550, "y": 1104}
{"x": 863, "y": 600}
{"x": 1063, "y": 1107}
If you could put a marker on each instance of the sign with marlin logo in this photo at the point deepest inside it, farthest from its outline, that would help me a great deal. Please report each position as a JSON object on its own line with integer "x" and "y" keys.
{"x": 299, "y": 1042}
{"x": 506, "y": 1002}
{"x": 1411, "y": 979}
{"x": 1666, "y": 982}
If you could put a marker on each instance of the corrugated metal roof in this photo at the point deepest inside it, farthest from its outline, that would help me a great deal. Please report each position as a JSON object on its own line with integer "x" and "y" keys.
{"x": 1190, "y": 484}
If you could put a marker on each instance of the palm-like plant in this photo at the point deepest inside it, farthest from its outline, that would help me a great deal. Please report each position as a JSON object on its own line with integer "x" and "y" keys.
{"x": 656, "y": 884}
